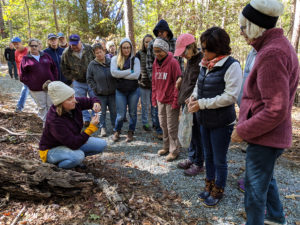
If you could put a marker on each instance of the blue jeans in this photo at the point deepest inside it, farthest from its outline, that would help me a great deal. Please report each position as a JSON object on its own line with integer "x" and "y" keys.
{"x": 122, "y": 100}
{"x": 215, "y": 145}
{"x": 12, "y": 66}
{"x": 195, "y": 151}
{"x": 110, "y": 102}
{"x": 67, "y": 158}
{"x": 146, "y": 103}
{"x": 81, "y": 90}
{"x": 23, "y": 97}
{"x": 261, "y": 190}
{"x": 242, "y": 89}
{"x": 155, "y": 119}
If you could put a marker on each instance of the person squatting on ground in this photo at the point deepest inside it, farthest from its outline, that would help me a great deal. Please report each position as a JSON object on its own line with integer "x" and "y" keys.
{"x": 265, "y": 111}
{"x": 9, "y": 55}
{"x": 36, "y": 68}
{"x": 145, "y": 82}
{"x": 125, "y": 67}
{"x": 74, "y": 63}
{"x": 21, "y": 51}
{"x": 213, "y": 99}
{"x": 186, "y": 47}
{"x": 99, "y": 78}
{"x": 63, "y": 142}
{"x": 165, "y": 72}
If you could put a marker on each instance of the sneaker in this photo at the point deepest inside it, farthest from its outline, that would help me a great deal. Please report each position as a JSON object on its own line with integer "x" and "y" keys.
{"x": 163, "y": 152}
{"x": 103, "y": 132}
{"x": 172, "y": 156}
{"x": 270, "y": 221}
{"x": 129, "y": 136}
{"x": 185, "y": 164}
{"x": 116, "y": 136}
{"x": 241, "y": 185}
{"x": 147, "y": 127}
{"x": 193, "y": 170}
{"x": 215, "y": 197}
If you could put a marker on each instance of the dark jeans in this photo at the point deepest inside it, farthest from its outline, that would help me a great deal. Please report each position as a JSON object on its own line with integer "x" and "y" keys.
{"x": 155, "y": 119}
{"x": 12, "y": 66}
{"x": 110, "y": 102}
{"x": 195, "y": 150}
{"x": 215, "y": 145}
{"x": 261, "y": 190}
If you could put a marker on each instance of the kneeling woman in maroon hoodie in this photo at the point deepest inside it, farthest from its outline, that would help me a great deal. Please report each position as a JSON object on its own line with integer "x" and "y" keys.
{"x": 63, "y": 143}
{"x": 165, "y": 72}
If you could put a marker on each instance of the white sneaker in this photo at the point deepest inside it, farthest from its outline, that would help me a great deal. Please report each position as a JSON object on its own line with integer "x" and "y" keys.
{"x": 103, "y": 132}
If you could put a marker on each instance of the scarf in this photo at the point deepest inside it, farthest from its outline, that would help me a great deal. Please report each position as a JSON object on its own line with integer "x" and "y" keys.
{"x": 209, "y": 64}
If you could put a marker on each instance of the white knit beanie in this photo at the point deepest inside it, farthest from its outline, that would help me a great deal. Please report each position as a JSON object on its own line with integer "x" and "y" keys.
{"x": 109, "y": 43}
{"x": 162, "y": 44}
{"x": 59, "y": 92}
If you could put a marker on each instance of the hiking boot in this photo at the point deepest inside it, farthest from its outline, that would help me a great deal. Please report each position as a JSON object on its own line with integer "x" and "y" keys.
{"x": 163, "y": 152}
{"x": 116, "y": 136}
{"x": 193, "y": 170}
{"x": 209, "y": 184}
{"x": 185, "y": 164}
{"x": 146, "y": 127}
{"x": 215, "y": 197}
{"x": 241, "y": 184}
{"x": 172, "y": 156}
{"x": 129, "y": 136}
{"x": 103, "y": 132}
{"x": 270, "y": 221}
{"x": 86, "y": 123}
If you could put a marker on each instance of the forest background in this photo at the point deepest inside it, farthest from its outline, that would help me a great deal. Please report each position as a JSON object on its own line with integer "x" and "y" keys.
{"x": 115, "y": 19}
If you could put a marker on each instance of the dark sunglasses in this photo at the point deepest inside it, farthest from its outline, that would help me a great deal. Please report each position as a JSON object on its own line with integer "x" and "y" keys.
{"x": 33, "y": 46}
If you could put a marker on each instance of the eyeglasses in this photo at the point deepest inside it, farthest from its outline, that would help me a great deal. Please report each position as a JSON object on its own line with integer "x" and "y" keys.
{"x": 242, "y": 28}
{"x": 33, "y": 46}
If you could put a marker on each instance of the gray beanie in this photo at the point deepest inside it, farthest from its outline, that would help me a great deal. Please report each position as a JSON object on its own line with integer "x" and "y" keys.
{"x": 59, "y": 92}
{"x": 162, "y": 44}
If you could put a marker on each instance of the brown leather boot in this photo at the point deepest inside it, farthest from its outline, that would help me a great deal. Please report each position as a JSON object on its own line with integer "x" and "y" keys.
{"x": 216, "y": 195}
{"x": 209, "y": 184}
{"x": 129, "y": 136}
{"x": 116, "y": 136}
{"x": 172, "y": 156}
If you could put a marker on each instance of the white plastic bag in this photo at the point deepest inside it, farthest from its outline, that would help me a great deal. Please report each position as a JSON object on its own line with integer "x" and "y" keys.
{"x": 185, "y": 128}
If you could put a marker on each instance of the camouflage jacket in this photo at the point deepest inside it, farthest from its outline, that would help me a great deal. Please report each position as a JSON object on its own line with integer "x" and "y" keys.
{"x": 73, "y": 67}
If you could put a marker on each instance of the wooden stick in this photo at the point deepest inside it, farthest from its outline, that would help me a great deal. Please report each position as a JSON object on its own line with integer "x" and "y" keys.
{"x": 18, "y": 216}
{"x": 18, "y": 134}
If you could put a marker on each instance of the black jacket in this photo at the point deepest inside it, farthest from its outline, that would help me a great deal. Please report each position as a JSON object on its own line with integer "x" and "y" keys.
{"x": 9, "y": 54}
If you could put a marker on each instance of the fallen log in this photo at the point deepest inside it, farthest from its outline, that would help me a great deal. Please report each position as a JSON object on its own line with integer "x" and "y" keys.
{"x": 32, "y": 180}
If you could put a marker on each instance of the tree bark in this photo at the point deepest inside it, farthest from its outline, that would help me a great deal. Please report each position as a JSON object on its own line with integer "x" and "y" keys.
{"x": 158, "y": 9}
{"x": 2, "y": 25}
{"x": 55, "y": 16}
{"x": 28, "y": 18}
{"x": 129, "y": 29}
{"x": 296, "y": 27}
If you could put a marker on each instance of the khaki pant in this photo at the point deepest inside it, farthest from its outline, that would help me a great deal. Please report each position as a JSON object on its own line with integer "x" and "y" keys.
{"x": 169, "y": 120}
{"x": 43, "y": 102}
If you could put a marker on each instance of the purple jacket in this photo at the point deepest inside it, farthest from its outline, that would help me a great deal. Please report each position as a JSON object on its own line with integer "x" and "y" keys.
{"x": 66, "y": 129}
{"x": 265, "y": 112}
{"x": 34, "y": 73}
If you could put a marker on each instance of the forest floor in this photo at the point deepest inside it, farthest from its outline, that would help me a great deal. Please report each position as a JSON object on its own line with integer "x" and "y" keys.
{"x": 156, "y": 191}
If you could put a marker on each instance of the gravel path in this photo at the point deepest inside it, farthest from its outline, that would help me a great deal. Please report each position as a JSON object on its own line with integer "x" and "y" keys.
{"x": 139, "y": 159}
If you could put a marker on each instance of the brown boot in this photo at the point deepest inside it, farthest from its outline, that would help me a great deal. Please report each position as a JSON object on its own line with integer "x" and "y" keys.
{"x": 163, "y": 152}
{"x": 172, "y": 156}
{"x": 129, "y": 136}
{"x": 209, "y": 184}
{"x": 116, "y": 136}
{"x": 215, "y": 196}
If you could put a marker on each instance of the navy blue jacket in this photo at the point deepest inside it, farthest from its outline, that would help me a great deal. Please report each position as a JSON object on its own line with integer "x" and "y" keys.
{"x": 56, "y": 56}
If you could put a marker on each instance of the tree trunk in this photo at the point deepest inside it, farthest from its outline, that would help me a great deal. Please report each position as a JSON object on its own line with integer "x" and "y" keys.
{"x": 28, "y": 19}
{"x": 2, "y": 25}
{"x": 296, "y": 27}
{"x": 158, "y": 9}
{"x": 55, "y": 17}
{"x": 129, "y": 29}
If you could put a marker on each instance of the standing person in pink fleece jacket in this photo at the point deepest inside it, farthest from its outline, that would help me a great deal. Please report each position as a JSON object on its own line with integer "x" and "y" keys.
{"x": 165, "y": 72}
{"x": 265, "y": 112}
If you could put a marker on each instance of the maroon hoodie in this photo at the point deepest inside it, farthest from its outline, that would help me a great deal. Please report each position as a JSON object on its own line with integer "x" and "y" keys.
{"x": 164, "y": 78}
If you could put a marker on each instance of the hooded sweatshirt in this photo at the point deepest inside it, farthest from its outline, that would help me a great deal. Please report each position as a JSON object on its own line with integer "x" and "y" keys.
{"x": 127, "y": 78}
{"x": 163, "y": 81}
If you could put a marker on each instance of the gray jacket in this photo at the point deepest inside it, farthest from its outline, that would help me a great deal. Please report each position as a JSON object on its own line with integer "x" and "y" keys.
{"x": 99, "y": 78}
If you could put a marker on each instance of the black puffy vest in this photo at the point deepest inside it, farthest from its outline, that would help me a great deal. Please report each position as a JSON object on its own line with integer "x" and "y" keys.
{"x": 209, "y": 86}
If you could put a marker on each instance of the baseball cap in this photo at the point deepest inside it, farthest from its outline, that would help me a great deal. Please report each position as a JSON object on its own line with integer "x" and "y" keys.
{"x": 16, "y": 39}
{"x": 182, "y": 41}
{"x": 60, "y": 34}
{"x": 51, "y": 35}
{"x": 74, "y": 39}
